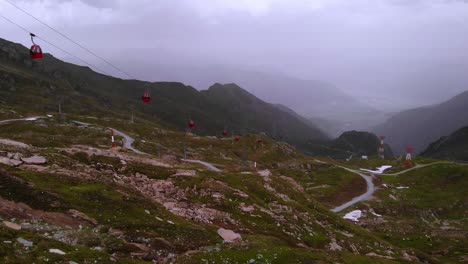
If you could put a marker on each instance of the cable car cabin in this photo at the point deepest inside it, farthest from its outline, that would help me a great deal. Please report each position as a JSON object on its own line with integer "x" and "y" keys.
{"x": 36, "y": 52}
{"x": 146, "y": 98}
{"x": 225, "y": 133}
{"x": 191, "y": 124}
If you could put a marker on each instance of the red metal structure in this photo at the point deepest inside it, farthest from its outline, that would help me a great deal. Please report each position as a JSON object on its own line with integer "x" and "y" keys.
{"x": 408, "y": 159}
{"x": 146, "y": 98}
{"x": 35, "y": 51}
{"x": 191, "y": 124}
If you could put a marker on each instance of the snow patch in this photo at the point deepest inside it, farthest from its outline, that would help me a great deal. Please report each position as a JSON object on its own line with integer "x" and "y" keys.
{"x": 379, "y": 170}
{"x": 353, "y": 216}
{"x": 31, "y": 119}
{"x": 56, "y": 251}
{"x": 264, "y": 173}
{"x": 402, "y": 187}
{"x": 376, "y": 214}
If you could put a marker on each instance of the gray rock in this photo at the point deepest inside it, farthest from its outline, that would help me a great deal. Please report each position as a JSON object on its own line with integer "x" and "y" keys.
{"x": 16, "y": 163}
{"x": 35, "y": 160}
{"x": 6, "y": 161}
{"x": 25, "y": 242}
{"x": 229, "y": 235}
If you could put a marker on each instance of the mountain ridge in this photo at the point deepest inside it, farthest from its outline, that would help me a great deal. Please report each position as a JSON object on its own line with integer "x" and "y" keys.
{"x": 173, "y": 102}
{"x": 420, "y": 126}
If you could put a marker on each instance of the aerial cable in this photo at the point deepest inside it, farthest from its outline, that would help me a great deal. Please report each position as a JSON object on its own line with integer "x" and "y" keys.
{"x": 69, "y": 39}
{"x": 55, "y": 46}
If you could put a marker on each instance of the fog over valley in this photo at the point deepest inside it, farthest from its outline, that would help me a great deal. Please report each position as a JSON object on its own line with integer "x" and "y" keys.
{"x": 324, "y": 59}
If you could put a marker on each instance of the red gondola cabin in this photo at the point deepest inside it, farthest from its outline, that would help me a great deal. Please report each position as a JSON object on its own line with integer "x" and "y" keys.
{"x": 191, "y": 124}
{"x": 225, "y": 133}
{"x": 146, "y": 98}
{"x": 36, "y": 52}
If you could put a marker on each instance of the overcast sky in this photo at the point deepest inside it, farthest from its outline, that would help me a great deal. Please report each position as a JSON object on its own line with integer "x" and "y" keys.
{"x": 372, "y": 49}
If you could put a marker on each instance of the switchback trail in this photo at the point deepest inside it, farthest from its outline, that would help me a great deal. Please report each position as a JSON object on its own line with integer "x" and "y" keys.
{"x": 128, "y": 142}
{"x": 32, "y": 118}
{"x": 362, "y": 197}
{"x": 206, "y": 164}
{"x": 418, "y": 166}
{"x": 371, "y": 187}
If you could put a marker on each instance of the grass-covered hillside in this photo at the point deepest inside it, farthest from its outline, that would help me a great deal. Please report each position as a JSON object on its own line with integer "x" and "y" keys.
{"x": 31, "y": 86}
{"x": 424, "y": 209}
{"x": 92, "y": 203}
{"x": 349, "y": 144}
{"x": 452, "y": 147}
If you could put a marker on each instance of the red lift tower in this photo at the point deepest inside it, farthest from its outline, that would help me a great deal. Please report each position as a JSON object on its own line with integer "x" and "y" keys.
{"x": 409, "y": 160}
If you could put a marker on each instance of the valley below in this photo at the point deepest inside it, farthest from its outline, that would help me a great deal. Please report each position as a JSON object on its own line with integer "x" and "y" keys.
{"x": 64, "y": 189}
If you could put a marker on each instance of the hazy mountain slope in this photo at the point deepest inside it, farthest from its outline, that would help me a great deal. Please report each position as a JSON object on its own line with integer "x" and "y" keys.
{"x": 307, "y": 97}
{"x": 244, "y": 110}
{"x": 420, "y": 126}
{"x": 351, "y": 143}
{"x": 85, "y": 91}
{"x": 454, "y": 146}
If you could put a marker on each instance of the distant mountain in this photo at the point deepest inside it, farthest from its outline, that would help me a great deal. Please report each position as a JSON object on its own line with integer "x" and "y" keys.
{"x": 452, "y": 147}
{"x": 420, "y": 126}
{"x": 309, "y": 98}
{"x": 36, "y": 87}
{"x": 350, "y": 144}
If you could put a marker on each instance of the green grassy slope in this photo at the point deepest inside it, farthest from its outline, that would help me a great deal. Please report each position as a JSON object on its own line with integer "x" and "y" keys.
{"x": 35, "y": 86}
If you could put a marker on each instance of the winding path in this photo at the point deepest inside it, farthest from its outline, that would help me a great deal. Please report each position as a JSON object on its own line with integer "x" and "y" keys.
{"x": 362, "y": 197}
{"x": 32, "y": 118}
{"x": 371, "y": 187}
{"x": 128, "y": 142}
{"x": 206, "y": 164}
{"x": 418, "y": 166}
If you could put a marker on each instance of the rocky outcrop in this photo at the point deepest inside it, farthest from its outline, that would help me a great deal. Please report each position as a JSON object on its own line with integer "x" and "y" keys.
{"x": 229, "y": 235}
{"x": 174, "y": 199}
{"x": 35, "y": 160}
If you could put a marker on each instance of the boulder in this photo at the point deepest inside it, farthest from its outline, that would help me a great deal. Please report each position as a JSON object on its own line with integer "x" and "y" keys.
{"x": 264, "y": 173}
{"x": 6, "y": 161}
{"x": 35, "y": 160}
{"x": 80, "y": 215}
{"x": 56, "y": 251}
{"x": 16, "y": 156}
{"x": 24, "y": 242}
{"x": 12, "y": 225}
{"x": 229, "y": 235}
{"x": 16, "y": 163}
{"x": 187, "y": 173}
{"x": 247, "y": 208}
